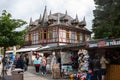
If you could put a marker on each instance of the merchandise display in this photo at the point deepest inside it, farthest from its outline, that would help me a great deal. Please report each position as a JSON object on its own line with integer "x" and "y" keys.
{"x": 83, "y": 63}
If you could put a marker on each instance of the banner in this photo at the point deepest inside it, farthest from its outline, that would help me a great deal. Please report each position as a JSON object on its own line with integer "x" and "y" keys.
{"x": 103, "y": 43}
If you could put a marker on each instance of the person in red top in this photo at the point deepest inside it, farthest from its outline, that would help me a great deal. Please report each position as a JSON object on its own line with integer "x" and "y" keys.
{"x": 44, "y": 62}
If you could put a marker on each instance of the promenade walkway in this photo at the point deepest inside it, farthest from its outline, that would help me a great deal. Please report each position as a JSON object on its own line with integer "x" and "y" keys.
{"x": 31, "y": 75}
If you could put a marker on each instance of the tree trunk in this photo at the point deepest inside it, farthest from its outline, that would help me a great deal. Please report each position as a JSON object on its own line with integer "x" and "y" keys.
{"x": 3, "y": 65}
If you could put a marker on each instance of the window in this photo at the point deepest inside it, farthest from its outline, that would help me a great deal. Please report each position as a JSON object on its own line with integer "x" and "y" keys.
{"x": 26, "y": 37}
{"x": 50, "y": 34}
{"x": 78, "y": 37}
{"x": 83, "y": 37}
{"x": 40, "y": 35}
{"x": 45, "y": 34}
{"x": 67, "y": 34}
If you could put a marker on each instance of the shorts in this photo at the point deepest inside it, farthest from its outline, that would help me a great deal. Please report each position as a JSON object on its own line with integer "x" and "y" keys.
{"x": 103, "y": 71}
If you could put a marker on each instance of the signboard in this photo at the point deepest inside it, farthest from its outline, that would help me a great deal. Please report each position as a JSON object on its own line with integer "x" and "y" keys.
{"x": 103, "y": 43}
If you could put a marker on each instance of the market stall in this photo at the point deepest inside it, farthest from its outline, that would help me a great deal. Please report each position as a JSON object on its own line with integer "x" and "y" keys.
{"x": 111, "y": 50}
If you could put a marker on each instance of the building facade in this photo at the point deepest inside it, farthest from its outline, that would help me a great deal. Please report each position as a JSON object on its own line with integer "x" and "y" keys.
{"x": 56, "y": 29}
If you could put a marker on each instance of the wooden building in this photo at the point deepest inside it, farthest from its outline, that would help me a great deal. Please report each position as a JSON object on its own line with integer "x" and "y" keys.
{"x": 51, "y": 31}
{"x": 56, "y": 29}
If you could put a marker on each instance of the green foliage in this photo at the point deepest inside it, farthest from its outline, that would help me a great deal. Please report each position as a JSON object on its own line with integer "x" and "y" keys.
{"x": 106, "y": 23}
{"x": 8, "y": 36}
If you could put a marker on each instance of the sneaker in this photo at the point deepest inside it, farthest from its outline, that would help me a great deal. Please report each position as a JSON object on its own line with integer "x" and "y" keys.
{"x": 37, "y": 73}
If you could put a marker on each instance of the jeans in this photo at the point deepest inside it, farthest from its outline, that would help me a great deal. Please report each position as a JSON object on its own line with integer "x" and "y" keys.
{"x": 97, "y": 75}
{"x": 37, "y": 69}
{"x": 44, "y": 69}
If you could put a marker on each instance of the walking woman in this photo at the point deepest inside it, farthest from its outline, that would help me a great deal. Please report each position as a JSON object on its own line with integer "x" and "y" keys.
{"x": 36, "y": 63}
{"x": 44, "y": 65}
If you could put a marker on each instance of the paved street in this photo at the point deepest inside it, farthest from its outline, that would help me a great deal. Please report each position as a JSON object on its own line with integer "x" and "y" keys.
{"x": 31, "y": 75}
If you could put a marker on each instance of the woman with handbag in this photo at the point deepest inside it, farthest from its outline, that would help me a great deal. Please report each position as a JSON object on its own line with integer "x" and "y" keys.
{"x": 36, "y": 63}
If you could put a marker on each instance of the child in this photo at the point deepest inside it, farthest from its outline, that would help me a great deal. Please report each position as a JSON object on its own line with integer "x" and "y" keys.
{"x": 89, "y": 75}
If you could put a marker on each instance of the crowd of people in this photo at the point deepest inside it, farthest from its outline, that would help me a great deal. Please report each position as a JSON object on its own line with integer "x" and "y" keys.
{"x": 40, "y": 64}
{"x": 15, "y": 61}
{"x": 98, "y": 66}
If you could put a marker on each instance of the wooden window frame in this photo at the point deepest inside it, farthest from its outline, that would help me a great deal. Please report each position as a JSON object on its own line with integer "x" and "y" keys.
{"x": 67, "y": 35}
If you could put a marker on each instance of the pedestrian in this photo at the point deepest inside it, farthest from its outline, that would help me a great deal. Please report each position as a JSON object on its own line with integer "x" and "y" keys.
{"x": 37, "y": 63}
{"x": 90, "y": 75}
{"x": 20, "y": 62}
{"x": 0, "y": 59}
{"x": 7, "y": 63}
{"x": 44, "y": 62}
{"x": 12, "y": 58}
{"x": 4, "y": 61}
{"x": 97, "y": 68}
{"x": 26, "y": 59}
{"x": 14, "y": 62}
{"x": 103, "y": 63}
{"x": 53, "y": 62}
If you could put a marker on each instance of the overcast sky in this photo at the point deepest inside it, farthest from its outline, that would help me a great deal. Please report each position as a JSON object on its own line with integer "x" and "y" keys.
{"x": 24, "y": 9}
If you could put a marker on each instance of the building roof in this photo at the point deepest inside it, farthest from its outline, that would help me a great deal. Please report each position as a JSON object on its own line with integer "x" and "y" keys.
{"x": 58, "y": 18}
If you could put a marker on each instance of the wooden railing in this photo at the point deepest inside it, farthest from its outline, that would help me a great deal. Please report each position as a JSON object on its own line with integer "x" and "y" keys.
{"x": 27, "y": 43}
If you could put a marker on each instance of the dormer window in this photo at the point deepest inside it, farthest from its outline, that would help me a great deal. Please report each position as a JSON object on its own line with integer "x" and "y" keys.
{"x": 61, "y": 21}
{"x": 51, "y": 21}
{"x": 65, "y": 20}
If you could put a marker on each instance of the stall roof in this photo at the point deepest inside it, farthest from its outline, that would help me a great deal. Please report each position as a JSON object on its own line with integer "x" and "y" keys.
{"x": 27, "y": 49}
{"x": 62, "y": 47}
{"x": 10, "y": 51}
{"x": 42, "y": 48}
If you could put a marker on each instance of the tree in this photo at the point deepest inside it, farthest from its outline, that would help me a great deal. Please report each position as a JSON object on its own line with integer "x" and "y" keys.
{"x": 8, "y": 36}
{"x": 106, "y": 23}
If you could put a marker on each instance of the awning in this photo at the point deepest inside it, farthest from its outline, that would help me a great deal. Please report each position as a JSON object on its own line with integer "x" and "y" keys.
{"x": 74, "y": 46}
{"x": 27, "y": 49}
{"x": 8, "y": 52}
{"x": 42, "y": 48}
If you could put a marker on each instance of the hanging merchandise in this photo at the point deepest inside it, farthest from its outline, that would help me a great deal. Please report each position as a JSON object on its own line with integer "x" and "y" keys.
{"x": 65, "y": 58}
{"x": 83, "y": 63}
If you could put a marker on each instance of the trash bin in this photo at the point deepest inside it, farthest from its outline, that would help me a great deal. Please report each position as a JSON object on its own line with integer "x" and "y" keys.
{"x": 17, "y": 74}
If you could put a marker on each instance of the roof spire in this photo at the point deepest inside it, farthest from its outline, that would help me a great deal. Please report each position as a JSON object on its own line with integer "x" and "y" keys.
{"x": 66, "y": 12}
{"x": 76, "y": 18}
{"x": 58, "y": 20}
{"x": 84, "y": 18}
{"x": 50, "y": 12}
{"x": 84, "y": 21}
{"x": 40, "y": 18}
{"x": 30, "y": 21}
{"x": 45, "y": 17}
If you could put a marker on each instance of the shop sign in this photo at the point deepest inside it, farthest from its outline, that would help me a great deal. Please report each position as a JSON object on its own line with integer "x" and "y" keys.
{"x": 92, "y": 45}
{"x": 114, "y": 42}
{"x": 103, "y": 43}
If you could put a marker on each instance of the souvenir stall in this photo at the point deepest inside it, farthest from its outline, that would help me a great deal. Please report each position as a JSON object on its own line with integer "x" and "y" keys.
{"x": 68, "y": 64}
{"x": 75, "y": 65}
{"x": 67, "y": 61}
{"x": 111, "y": 50}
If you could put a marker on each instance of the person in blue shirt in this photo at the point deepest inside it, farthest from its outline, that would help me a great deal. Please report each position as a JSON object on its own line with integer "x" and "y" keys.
{"x": 12, "y": 58}
{"x": 37, "y": 63}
